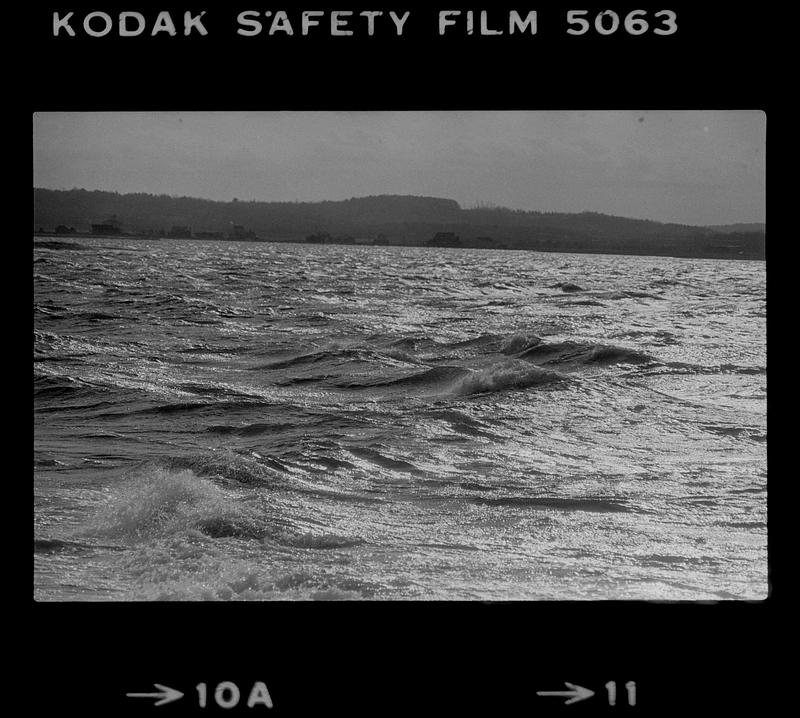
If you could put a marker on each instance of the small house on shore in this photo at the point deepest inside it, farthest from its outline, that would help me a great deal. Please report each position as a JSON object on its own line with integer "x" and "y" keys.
{"x": 110, "y": 226}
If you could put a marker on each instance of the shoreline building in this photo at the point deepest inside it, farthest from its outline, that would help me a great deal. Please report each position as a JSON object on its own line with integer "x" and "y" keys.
{"x": 110, "y": 226}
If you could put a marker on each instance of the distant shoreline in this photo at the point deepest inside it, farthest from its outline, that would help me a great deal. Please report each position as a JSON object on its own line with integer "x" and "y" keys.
{"x": 385, "y": 220}
{"x": 734, "y": 253}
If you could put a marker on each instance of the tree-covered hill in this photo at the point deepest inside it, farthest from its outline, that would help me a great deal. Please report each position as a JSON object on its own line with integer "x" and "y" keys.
{"x": 398, "y": 219}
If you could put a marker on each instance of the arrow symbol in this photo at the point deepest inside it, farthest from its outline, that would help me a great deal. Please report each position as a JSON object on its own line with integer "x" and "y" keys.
{"x": 575, "y": 694}
{"x": 165, "y": 695}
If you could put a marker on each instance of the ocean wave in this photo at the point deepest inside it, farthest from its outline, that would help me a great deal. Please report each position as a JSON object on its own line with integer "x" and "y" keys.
{"x": 255, "y": 429}
{"x": 412, "y": 344}
{"x": 231, "y": 468}
{"x": 52, "y": 310}
{"x": 501, "y": 377}
{"x": 57, "y": 244}
{"x": 736, "y": 369}
{"x": 214, "y": 349}
{"x": 176, "y": 573}
{"x": 522, "y": 345}
{"x": 382, "y": 347}
{"x": 46, "y": 462}
{"x": 519, "y": 342}
{"x": 96, "y": 316}
{"x": 387, "y": 462}
{"x": 47, "y": 386}
{"x": 586, "y": 303}
{"x": 298, "y": 380}
{"x": 677, "y": 367}
{"x": 460, "y": 422}
{"x": 436, "y": 376}
{"x": 58, "y": 346}
{"x": 161, "y": 501}
{"x": 315, "y": 357}
{"x": 656, "y": 336}
{"x": 568, "y": 287}
{"x": 408, "y": 347}
{"x": 484, "y": 341}
{"x": 594, "y": 504}
{"x": 461, "y": 381}
{"x": 321, "y": 541}
{"x": 55, "y": 545}
{"x": 736, "y": 432}
{"x": 628, "y": 294}
{"x": 188, "y": 407}
{"x": 569, "y": 352}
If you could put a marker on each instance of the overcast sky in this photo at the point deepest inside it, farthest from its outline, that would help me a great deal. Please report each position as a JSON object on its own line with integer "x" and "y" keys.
{"x": 689, "y": 167}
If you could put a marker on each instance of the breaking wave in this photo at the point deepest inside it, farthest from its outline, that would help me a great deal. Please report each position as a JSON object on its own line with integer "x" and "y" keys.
{"x": 509, "y": 375}
{"x": 569, "y": 352}
{"x": 460, "y": 381}
{"x": 519, "y": 342}
{"x": 162, "y": 501}
{"x": 277, "y": 421}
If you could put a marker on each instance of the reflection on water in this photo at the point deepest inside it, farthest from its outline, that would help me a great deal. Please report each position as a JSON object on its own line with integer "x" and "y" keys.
{"x": 218, "y": 420}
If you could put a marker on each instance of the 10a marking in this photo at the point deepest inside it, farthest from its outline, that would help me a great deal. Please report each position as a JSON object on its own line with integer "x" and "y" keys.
{"x": 227, "y": 695}
{"x": 630, "y": 687}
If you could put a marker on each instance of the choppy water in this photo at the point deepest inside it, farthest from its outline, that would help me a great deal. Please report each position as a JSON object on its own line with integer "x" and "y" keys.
{"x": 219, "y": 420}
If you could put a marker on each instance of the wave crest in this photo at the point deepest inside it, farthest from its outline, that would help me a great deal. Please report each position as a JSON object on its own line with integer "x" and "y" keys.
{"x": 500, "y": 377}
{"x": 163, "y": 501}
{"x": 578, "y": 353}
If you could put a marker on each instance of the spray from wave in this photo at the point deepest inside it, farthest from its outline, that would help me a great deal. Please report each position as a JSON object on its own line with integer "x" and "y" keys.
{"x": 161, "y": 502}
{"x": 500, "y": 377}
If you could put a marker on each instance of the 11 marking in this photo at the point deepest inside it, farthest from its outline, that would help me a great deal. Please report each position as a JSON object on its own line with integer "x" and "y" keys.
{"x": 630, "y": 687}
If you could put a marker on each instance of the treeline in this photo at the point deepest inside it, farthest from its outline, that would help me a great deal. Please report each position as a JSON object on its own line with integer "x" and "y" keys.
{"x": 400, "y": 219}
{"x": 140, "y": 212}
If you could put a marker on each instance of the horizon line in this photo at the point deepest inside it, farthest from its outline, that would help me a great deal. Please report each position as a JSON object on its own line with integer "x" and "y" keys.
{"x": 489, "y": 206}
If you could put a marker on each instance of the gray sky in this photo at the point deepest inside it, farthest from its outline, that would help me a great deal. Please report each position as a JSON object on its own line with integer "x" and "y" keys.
{"x": 690, "y": 167}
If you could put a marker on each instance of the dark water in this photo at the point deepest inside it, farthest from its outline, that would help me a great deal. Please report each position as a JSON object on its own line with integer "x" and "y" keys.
{"x": 219, "y": 420}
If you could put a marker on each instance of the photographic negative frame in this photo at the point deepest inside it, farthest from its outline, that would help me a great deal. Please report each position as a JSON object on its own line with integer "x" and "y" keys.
{"x": 418, "y": 656}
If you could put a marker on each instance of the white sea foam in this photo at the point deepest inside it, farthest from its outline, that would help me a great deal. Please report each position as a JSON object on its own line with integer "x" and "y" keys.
{"x": 161, "y": 501}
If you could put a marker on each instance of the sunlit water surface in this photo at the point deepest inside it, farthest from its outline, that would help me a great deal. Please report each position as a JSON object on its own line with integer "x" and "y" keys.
{"x": 220, "y": 420}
